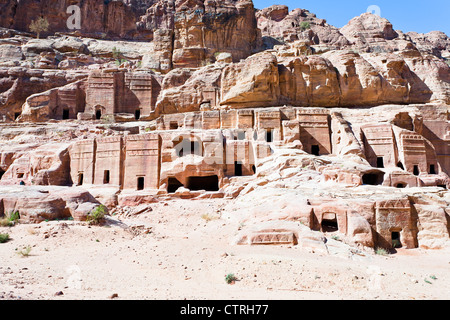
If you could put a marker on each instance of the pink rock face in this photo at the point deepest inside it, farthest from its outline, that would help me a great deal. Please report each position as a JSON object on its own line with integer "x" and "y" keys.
{"x": 36, "y": 204}
{"x": 252, "y": 82}
{"x": 44, "y": 165}
{"x": 277, "y": 24}
{"x": 369, "y": 30}
{"x": 59, "y": 103}
{"x": 201, "y": 30}
{"x": 114, "y": 18}
{"x": 202, "y": 87}
{"x": 17, "y": 84}
{"x": 112, "y": 92}
{"x": 337, "y": 78}
{"x": 435, "y": 42}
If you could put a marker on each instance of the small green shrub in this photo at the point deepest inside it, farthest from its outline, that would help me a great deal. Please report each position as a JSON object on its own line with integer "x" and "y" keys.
{"x": 396, "y": 243}
{"x": 97, "y": 215}
{"x": 14, "y": 216}
{"x": 381, "y": 251}
{"x": 4, "y": 237}
{"x": 25, "y": 252}
{"x": 10, "y": 220}
{"x": 230, "y": 278}
{"x": 305, "y": 25}
{"x": 108, "y": 119}
{"x": 4, "y": 222}
{"x": 118, "y": 56}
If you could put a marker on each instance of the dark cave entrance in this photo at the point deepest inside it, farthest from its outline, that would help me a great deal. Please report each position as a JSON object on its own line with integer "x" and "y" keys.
{"x": 209, "y": 183}
{"x": 330, "y": 224}
{"x": 373, "y": 178}
{"x": 173, "y": 184}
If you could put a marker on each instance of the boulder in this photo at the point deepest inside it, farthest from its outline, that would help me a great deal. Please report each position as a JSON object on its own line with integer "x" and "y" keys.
{"x": 432, "y": 224}
{"x": 251, "y": 82}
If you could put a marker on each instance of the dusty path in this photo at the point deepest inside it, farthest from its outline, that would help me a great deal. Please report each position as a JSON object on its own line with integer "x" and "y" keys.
{"x": 172, "y": 252}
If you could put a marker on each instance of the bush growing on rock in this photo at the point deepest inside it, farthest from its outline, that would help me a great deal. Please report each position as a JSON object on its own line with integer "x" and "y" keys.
{"x": 305, "y": 26}
{"x": 381, "y": 252}
{"x": 97, "y": 215}
{"x": 39, "y": 25}
{"x": 9, "y": 221}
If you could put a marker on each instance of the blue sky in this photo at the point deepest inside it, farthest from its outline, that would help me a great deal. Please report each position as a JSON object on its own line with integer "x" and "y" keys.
{"x": 416, "y": 15}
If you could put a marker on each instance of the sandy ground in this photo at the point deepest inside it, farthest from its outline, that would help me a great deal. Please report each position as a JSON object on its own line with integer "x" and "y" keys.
{"x": 173, "y": 252}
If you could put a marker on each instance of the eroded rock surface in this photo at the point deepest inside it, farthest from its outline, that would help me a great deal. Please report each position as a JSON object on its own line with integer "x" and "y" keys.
{"x": 305, "y": 128}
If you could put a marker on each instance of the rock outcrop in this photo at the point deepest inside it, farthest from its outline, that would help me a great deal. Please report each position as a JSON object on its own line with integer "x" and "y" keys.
{"x": 189, "y": 34}
{"x": 37, "y": 204}
{"x": 279, "y": 26}
{"x": 100, "y": 19}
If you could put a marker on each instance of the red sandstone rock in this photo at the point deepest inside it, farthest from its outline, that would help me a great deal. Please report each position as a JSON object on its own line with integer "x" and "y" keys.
{"x": 251, "y": 82}
{"x": 190, "y": 33}
{"x": 369, "y": 31}
{"x": 113, "y": 18}
{"x": 36, "y": 204}
{"x": 202, "y": 87}
{"x": 278, "y": 25}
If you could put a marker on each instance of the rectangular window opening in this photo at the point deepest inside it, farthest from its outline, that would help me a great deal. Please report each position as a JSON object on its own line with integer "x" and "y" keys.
{"x": 315, "y": 150}
{"x": 237, "y": 168}
{"x": 380, "y": 162}
{"x": 432, "y": 169}
{"x": 106, "y": 177}
{"x": 395, "y": 237}
{"x": 269, "y": 135}
{"x": 173, "y": 125}
{"x": 66, "y": 114}
{"x": 80, "y": 179}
